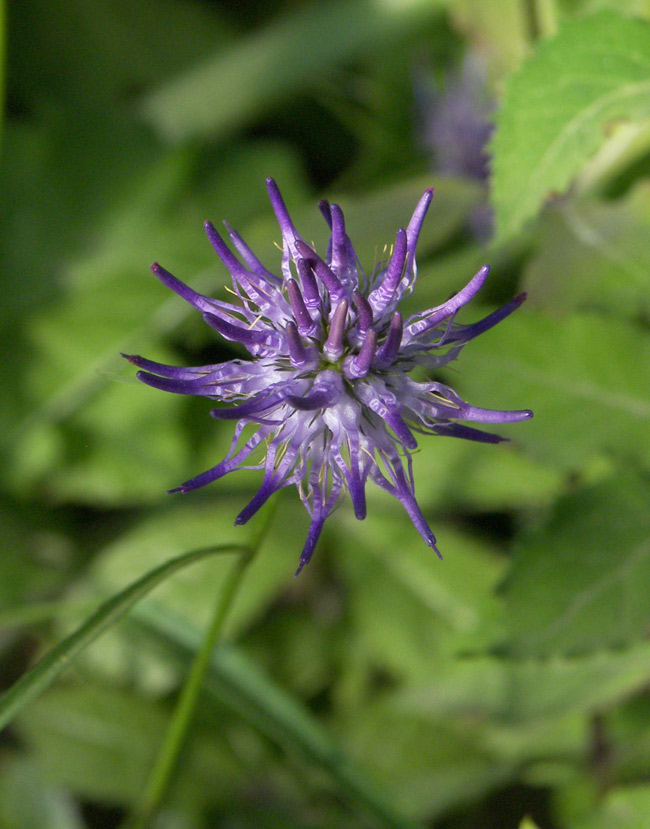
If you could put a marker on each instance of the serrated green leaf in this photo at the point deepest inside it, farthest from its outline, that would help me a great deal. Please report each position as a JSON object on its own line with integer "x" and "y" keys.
{"x": 581, "y": 581}
{"x": 559, "y": 106}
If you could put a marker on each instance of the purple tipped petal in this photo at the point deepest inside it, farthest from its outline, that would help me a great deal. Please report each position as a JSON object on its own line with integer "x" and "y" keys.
{"x": 415, "y": 225}
{"x": 227, "y": 465}
{"x": 320, "y": 268}
{"x": 398, "y": 425}
{"x": 390, "y": 349}
{"x": 381, "y": 296}
{"x": 289, "y": 232}
{"x": 315, "y": 529}
{"x": 249, "y": 257}
{"x": 339, "y": 241}
{"x": 306, "y": 325}
{"x": 267, "y": 489}
{"x": 437, "y": 315}
{"x": 326, "y": 210}
{"x": 298, "y": 354}
{"x": 309, "y": 284}
{"x": 333, "y": 347}
{"x": 316, "y": 526}
{"x": 224, "y": 253}
{"x": 419, "y": 522}
{"x": 465, "y": 333}
{"x": 359, "y": 366}
{"x": 364, "y": 313}
{"x": 200, "y": 302}
{"x": 254, "y": 406}
{"x": 459, "y": 430}
{"x": 178, "y": 386}
{"x": 169, "y": 371}
{"x": 246, "y": 336}
{"x": 494, "y": 415}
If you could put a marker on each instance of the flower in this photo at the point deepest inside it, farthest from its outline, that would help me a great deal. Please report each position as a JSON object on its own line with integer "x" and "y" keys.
{"x": 328, "y": 391}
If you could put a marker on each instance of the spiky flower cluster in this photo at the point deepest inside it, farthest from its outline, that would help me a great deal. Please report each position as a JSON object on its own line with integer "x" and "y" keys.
{"x": 327, "y": 389}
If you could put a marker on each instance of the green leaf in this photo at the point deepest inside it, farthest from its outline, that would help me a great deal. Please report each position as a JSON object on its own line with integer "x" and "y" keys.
{"x": 581, "y": 581}
{"x": 226, "y": 91}
{"x": 50, "y": 61}
{"x": 234, "y": 680}
{"x": 408, "y": 608}
{"x": 27, "y": 801}
{"x": 559, "y": 107}
{"x": 593, "y": 254}
{"x": 625, "y": 807}
{"x": 82, "y": 417}
{"x": 509, "y": 692}
{"x": 587, "y": 380}
{"x": 427, "y": 766}
{"x": 31, "y": 684}
{"x": 98, "y": 741}
{"x": 189, "y": 522}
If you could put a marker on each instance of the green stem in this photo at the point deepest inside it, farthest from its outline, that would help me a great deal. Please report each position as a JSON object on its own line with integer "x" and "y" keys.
{"x": 165, "y": 763}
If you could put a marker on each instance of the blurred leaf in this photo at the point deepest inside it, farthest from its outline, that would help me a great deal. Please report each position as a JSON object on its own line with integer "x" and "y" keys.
{"x": 226, "y": 91}
{"x": 104, "y": 55}
{"x": 631, "y": 7}
{"x": 235, "y": 681}
{"x": 497, "y": 30}
{"x": 98, "y": 742}
{"x": 559, "y": 107}
{"x": 581, "y": 581}
{"x": 109, "y": 303}
{"x": 511, "y": 691}
{"x": 594, "y": 255}
{"x": 425, "y": 766}
{"x": 35, "y": 552}
{"x": 625, "y": 807}
{"x": 188, "y": 523}
{"x": 456, "y": 473}
{"x": 28, "y": 802}
{"x": 587, "y": 379}
{"x": 3, "y": 62}
{"x": 32, "y": 683}
{"x": 408, "y": 608}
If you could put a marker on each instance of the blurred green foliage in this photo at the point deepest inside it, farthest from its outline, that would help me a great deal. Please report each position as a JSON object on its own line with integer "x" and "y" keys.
{"x": 506, "y": 686}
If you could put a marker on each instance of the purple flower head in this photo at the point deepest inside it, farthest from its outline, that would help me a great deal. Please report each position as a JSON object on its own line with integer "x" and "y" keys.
{"x": 327, "y": 388}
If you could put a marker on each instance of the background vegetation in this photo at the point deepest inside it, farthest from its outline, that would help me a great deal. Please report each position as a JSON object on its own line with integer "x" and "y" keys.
{"x": 508, "y": 686}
